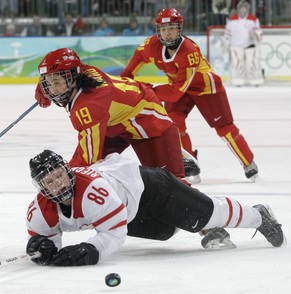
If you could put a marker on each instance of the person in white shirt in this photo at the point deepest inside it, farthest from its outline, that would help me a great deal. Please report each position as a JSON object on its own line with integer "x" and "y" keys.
{"x": 116, "y": 197}
{"x": 242, "y": 36}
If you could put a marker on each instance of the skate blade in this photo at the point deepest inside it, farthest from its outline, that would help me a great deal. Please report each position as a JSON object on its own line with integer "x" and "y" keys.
{"x": 215, "y": 245}
{"x": 193, "y": 179}
{"x": 254, "y": 178}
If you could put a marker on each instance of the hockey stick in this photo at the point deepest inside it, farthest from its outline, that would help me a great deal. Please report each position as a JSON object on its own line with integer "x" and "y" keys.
{"x": 20, "y": 258}
{"x": 20, "y": 118}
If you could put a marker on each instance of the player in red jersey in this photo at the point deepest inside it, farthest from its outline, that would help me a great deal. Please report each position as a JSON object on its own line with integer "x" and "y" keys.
{"x": 110, "y": 113}
{"x": 192, "y": 82}
{"x": 115, "y": 197}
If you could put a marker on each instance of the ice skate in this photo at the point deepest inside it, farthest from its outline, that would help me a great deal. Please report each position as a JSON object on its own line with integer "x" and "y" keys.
{"x": 191, "y": 167}
{"x": 216, "y": 239}
{"x": 270, "y": 227}
{"x": 251, "y": 171}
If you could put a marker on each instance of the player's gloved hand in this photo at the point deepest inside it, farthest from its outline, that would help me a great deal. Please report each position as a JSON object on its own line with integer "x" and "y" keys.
{"x": 76, "y": 255}
{"x": 40, "y": 98}
{"x": 45, "y": 246}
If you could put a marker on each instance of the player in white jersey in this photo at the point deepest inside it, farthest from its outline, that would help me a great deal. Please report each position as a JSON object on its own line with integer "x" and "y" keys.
{"x": 242, "y": 36}
{"x": 116, "y": 197}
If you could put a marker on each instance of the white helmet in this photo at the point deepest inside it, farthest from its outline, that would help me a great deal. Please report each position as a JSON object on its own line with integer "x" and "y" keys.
{"x": 243, "y": 8}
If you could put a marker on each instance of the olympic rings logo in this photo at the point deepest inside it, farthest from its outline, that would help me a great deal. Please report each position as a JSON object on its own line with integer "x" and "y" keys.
{"x": 276, "y": 56}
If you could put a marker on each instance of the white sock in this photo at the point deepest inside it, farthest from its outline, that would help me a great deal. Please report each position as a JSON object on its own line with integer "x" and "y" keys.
{"x": 230, "y": 213}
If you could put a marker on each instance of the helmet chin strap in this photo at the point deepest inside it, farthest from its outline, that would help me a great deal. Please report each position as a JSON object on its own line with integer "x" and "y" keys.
{"x": 176, "y": 45}
{"x": 68, "y": 96}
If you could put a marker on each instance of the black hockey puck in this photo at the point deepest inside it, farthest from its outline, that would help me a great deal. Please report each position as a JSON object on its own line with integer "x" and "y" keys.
{"x": 112, "y": 280}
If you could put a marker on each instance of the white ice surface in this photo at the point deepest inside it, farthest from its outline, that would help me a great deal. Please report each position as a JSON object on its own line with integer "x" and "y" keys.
{"x": 179, "y": 265}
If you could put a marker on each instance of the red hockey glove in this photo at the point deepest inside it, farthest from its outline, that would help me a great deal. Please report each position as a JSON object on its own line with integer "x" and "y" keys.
{"x": 40, "y": 98}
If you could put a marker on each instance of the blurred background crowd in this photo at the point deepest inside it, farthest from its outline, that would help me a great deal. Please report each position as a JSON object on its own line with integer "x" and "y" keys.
{"x": 124, "y": 17}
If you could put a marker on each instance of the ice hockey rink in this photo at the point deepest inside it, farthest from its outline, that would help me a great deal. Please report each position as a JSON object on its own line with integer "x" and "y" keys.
{"x": 179, "y": 265}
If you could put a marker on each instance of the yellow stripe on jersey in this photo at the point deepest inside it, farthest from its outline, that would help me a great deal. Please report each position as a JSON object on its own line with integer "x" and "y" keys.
{"x": 136, "y": 134}
{"x": 120, "y": 113}
{"x": 90, "y": 143}
{"x": 190, "y": 71}
{"x": 83, "y": 144}
{"x": 96, "y": 142}
{"x": 126, "y": 87}
{"x": 137, "y": 69}
{"x": 207, "y": 88}
{"x": 204, "y": 66}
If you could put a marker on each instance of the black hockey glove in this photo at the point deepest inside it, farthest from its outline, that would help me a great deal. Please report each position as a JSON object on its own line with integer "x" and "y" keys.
{"x": 76, "y": 255}
{"x": 46, "y": 247}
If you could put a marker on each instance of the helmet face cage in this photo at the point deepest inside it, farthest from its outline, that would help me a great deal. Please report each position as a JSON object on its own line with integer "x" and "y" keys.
{"x": 243, "y": 4}
{"x": 173, "y": 18}
{"x": 61, "y": 99}
{"x": 64, "y": 191}
{"x": 169, "y": 43}
{"x": 65, "y": 63}
{"x": 52, "y": 176}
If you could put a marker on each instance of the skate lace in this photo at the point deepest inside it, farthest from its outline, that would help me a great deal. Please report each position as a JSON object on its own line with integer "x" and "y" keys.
{"x": 268, "y": 231}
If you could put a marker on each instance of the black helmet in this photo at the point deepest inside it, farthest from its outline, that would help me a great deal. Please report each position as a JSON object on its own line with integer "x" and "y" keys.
{"x": 46, "y": 163}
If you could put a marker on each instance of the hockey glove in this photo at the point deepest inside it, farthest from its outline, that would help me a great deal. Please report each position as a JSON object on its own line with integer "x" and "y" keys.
{"x": 40, "y": 98}
{"x": 76, "y": 255}
{"x": 45, "y": 246}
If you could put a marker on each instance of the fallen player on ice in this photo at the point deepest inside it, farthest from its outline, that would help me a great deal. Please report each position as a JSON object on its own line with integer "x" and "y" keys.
{"x": 117, "y": 197}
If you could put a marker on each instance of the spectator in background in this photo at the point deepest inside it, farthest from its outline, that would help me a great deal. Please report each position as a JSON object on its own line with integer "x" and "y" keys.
{"x": 233, "y": 6}
{"x": 68, "y": 27}
{"x": 36, "y": 28}
{"x": 261, "y": 10}
{"x": 133, "y": 29}
{"x": 242, "y": 37}
{"x": 148, "y": 7}
{"x": 104, "y": 28}
{"x": 10, "y": 30}
{"x": 220, "y": 10}
{"x": 151, "y": 27}
{"x": 9, "y": 8}
{"x": 80, "y": 25}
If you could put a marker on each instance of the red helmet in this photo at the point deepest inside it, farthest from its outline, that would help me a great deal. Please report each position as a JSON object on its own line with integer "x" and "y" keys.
{"x": 63, "y": 62}
{"x": 60, "y": 59}
{"x": 173, "y": 17}
{"x": 169, "y": 15}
